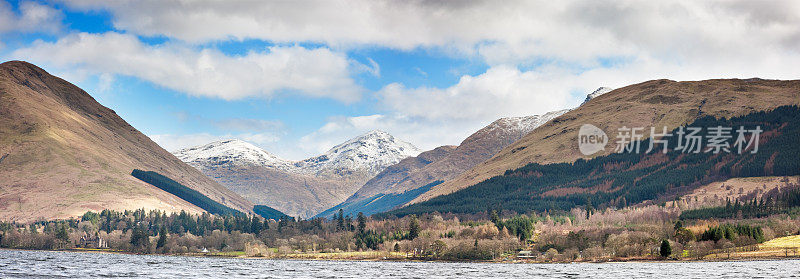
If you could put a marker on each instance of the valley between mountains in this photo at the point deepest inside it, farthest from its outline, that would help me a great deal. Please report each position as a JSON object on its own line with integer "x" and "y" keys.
{"x": 57, "y": 141}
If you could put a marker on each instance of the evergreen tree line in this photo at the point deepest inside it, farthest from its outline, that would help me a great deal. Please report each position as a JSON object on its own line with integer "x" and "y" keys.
{"x": 782, "y": 202}
{"x": 731, "y": 232}
{"x": 631, "y": 177}
{"x": 154, "y": 221}
{"x": 188, "y": 194}
{"x": 520, "y": 226}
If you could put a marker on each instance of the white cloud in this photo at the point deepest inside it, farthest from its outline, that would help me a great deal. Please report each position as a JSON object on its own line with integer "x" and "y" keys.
{"x": 542, "y": 55}
{"x": 500, "y": 91}
{"x": 317, "y": 72}
{"x": 32, "y": 17}
{"x": 501, "y": 31}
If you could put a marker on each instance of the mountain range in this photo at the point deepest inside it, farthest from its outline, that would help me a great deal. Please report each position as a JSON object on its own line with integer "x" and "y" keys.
{"x": 401, "y": 183}
{"x": 308, "y": 187}
{"x": 302, "y": 188}
{"x": 63, "y": 154}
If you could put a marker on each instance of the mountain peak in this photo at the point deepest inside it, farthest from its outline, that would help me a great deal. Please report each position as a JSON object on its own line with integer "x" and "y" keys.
{"x": 231, "y": 151}
{"x": 372, "y": 151}
{"x": 375, "y": 138}
{"x": 597, "y": 93}
{"x": 516, "y": 127}
{"x": 21, "y": 65}
{"x": 375, "y": 132}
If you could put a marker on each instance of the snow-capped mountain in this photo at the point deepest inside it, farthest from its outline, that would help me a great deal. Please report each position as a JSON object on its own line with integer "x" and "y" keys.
{"x": 443, "y": 164}
{"x": 519, "y": 126}
{"x": 598, "y": 92}
{"x": 440, "y": 164}
{"x": 298, "y": 188}
{"x": 230, "y": 152}
{"x": 371, "y": 152}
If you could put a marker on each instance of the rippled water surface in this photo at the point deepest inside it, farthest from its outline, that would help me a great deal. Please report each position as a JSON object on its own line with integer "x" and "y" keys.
{"x": 47, "y": 264}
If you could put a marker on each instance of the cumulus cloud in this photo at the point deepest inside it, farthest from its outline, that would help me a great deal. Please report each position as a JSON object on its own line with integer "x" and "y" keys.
{"x": 502, "y": 31}
{"x": 31, "y": 17}
{"x": 317, "y": 72}
{"x": 500, "y": 91}
{"x": 540, "y": 55}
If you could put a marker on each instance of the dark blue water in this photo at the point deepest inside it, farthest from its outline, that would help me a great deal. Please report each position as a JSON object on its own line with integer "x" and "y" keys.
{"x": 48, "y": 264}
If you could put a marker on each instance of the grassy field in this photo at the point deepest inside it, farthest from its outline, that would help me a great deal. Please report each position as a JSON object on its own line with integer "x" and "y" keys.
{"x": 781, "y": 247}
{"x": 783, "y": 242}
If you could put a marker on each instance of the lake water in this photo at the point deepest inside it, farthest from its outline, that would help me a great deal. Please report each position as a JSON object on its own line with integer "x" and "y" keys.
{"x": 48, "y": 264}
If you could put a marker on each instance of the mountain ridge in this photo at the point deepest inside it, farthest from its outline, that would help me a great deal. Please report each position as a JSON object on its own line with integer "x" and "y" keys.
{"x": 654, "y": 103}
{"x": 58, "y": 141}
{"x": 394, "y": 186}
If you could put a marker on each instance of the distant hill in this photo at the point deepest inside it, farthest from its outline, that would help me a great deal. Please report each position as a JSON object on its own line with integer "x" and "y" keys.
{"x": 654, "y": 103}
{"x": 302, "y": 188}
{"x": 64, "y": 154}
{"x": 622, "y": 179}
{"x": 404, "y": 181}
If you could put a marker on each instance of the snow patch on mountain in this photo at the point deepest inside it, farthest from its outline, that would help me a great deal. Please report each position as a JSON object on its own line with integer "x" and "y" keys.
{"x": 597, "y": 93}
{"x": 525, "y": 124}
{"x": 371, "y": 152}
{"x": 233, "y": 152}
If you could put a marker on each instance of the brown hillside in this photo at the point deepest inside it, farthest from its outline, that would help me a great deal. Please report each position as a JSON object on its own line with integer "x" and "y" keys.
{"x": 399, "y": 177}
{"x": 64, "y": 153}
{"x": 654, "y": 103}
{"x": 293, "y": 194}
{"x": 443, "y": 163}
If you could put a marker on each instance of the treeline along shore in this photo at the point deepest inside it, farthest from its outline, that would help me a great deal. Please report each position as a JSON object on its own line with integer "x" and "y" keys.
{"x": 653, "y": 232}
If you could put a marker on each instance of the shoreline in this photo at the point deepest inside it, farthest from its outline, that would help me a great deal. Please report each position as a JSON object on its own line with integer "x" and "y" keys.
{"x": 410, "y": 260}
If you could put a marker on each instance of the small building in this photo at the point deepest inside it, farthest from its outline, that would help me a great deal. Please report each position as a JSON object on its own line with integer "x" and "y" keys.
{"x": 88, "y": 241}
{"x": 525, "y": 254}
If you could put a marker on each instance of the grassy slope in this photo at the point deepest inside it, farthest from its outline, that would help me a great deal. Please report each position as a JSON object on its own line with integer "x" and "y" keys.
{"x": 66, "y": 154}
{"x": 654, "y": 103}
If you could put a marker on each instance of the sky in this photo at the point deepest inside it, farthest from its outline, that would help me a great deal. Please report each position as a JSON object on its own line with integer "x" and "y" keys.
{"x": 298, "y": 77}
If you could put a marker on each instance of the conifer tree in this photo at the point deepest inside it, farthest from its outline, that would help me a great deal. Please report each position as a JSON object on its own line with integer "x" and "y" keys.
{"x": 162, "y": 238}
{"x": 666, "y": 248}
{"x": 413, "y": 228}
{"x": 362, "y": 223}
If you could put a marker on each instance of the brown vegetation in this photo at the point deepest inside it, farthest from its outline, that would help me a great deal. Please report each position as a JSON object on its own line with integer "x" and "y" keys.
{"x": 64, "y": 153}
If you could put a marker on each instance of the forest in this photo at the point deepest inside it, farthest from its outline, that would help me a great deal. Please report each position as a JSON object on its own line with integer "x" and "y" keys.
{"x": 777, "y": 201}
{"x": 622, "y": 179}
{"x": 639, "y": 232}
